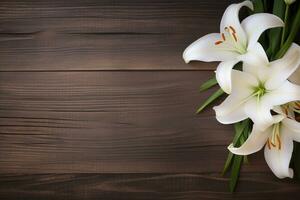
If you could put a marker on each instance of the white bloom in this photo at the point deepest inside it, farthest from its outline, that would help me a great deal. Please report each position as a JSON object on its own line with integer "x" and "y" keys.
{"x": 278, "y": 141}
{"x": 235, "y": 39}
{"x": 257, "y": 89}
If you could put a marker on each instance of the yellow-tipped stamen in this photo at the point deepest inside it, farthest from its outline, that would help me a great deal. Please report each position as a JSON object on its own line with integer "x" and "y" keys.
{"x": 229, "y": 41}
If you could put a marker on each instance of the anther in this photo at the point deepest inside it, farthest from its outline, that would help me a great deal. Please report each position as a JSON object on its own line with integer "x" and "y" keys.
{"x": 218, "y": 42}
{"x": 233, "y": 30}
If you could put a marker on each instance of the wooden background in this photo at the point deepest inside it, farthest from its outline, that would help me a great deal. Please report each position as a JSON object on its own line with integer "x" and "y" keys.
{"x": 97, "y": 103}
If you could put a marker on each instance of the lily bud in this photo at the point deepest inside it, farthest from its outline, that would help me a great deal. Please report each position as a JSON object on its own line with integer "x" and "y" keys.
{"x": 289, "y": 2}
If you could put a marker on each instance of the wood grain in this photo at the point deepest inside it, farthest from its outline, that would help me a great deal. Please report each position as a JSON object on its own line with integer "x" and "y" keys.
{"x": 108, "y": 122}
{"x": 103, "y": 35}
{"x": 97, "y": 103}
{"x": 143, "y": 186}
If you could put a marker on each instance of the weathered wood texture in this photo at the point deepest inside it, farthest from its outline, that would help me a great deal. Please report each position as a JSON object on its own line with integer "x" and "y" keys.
{"x": 106, "y": 35}
{"x": 108, "y": 122}
{"x": 76, "y": 106}
{"x": 143, "y": 186}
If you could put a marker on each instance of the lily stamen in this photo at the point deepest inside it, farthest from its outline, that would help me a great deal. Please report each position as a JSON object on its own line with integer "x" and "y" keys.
{"x": 233, "y": 30}
{"x": 234, "y": 36}
{"x": 223, "y": 37}
{"x": 274, "y": 145}
{"x": 268, "y": 143}
{"x": 229, "y": 41}
{"x": 274, "y": 140}
{"x": 279, "y": 142}
{"x": 297, "y": 105}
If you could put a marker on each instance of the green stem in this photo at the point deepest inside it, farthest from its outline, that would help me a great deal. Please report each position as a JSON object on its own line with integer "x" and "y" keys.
{"x": 286, "y": 14}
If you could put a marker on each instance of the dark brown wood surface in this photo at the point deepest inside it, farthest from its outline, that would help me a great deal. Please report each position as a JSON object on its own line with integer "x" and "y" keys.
{"x": 103, "y": 35}
{"x": 97, "y": 103}
{"x": 143, "y": 186}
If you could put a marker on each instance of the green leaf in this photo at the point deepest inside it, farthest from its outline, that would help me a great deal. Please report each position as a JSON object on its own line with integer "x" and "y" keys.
{"x": 245, "y": 159}
{"x": 208, "y": 84}
{"x": 242, "y": 140}
{"x": 246, "y": 134}
{"x": 211, "y": 99}
{"x": 240, "y": 129}
{"x": 235, "y": 171}
{"x": 258, "y": 6}
{"x": 293, "y": 33}
{"x": 267, "y": 4}
{"x": 227, "y": 163}
{"x": 279, "y": 8}
{"x": 275, "y": 33}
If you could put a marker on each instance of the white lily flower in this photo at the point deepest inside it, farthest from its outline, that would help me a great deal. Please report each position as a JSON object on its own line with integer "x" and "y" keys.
{"x": 257, "y": 89}
{"x": 235, "y": 39}
{"x": 278, "y": 141}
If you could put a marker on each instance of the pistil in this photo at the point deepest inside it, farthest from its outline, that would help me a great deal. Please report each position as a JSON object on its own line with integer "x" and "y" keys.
{"x": 259, "y": 91}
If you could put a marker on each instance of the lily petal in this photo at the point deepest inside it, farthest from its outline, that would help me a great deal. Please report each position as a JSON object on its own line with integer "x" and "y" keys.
{"x": 231, "y": 18}
{"x": 259, "y": 112}
{"x": 284, "y": 67}
{"x": 287, "y": 92}
{"x": 255, "y": 142}
{"x": 279, "y": 159}
{"x": 204, "y": 49}
{"x": 292, "y": 128}
{"x": 232, "y": 108}
{"x": 256, "y": 62}
{"x": 256, "y": 24}
{"x": 230, "y": 111}
{"x": 223, "y": 74}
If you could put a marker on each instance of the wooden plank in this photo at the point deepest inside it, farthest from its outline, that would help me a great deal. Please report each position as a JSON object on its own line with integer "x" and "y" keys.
{"x": 109, "y": 122}
{"x": 103, "y": 35}
{"x": 144, "y": 186}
